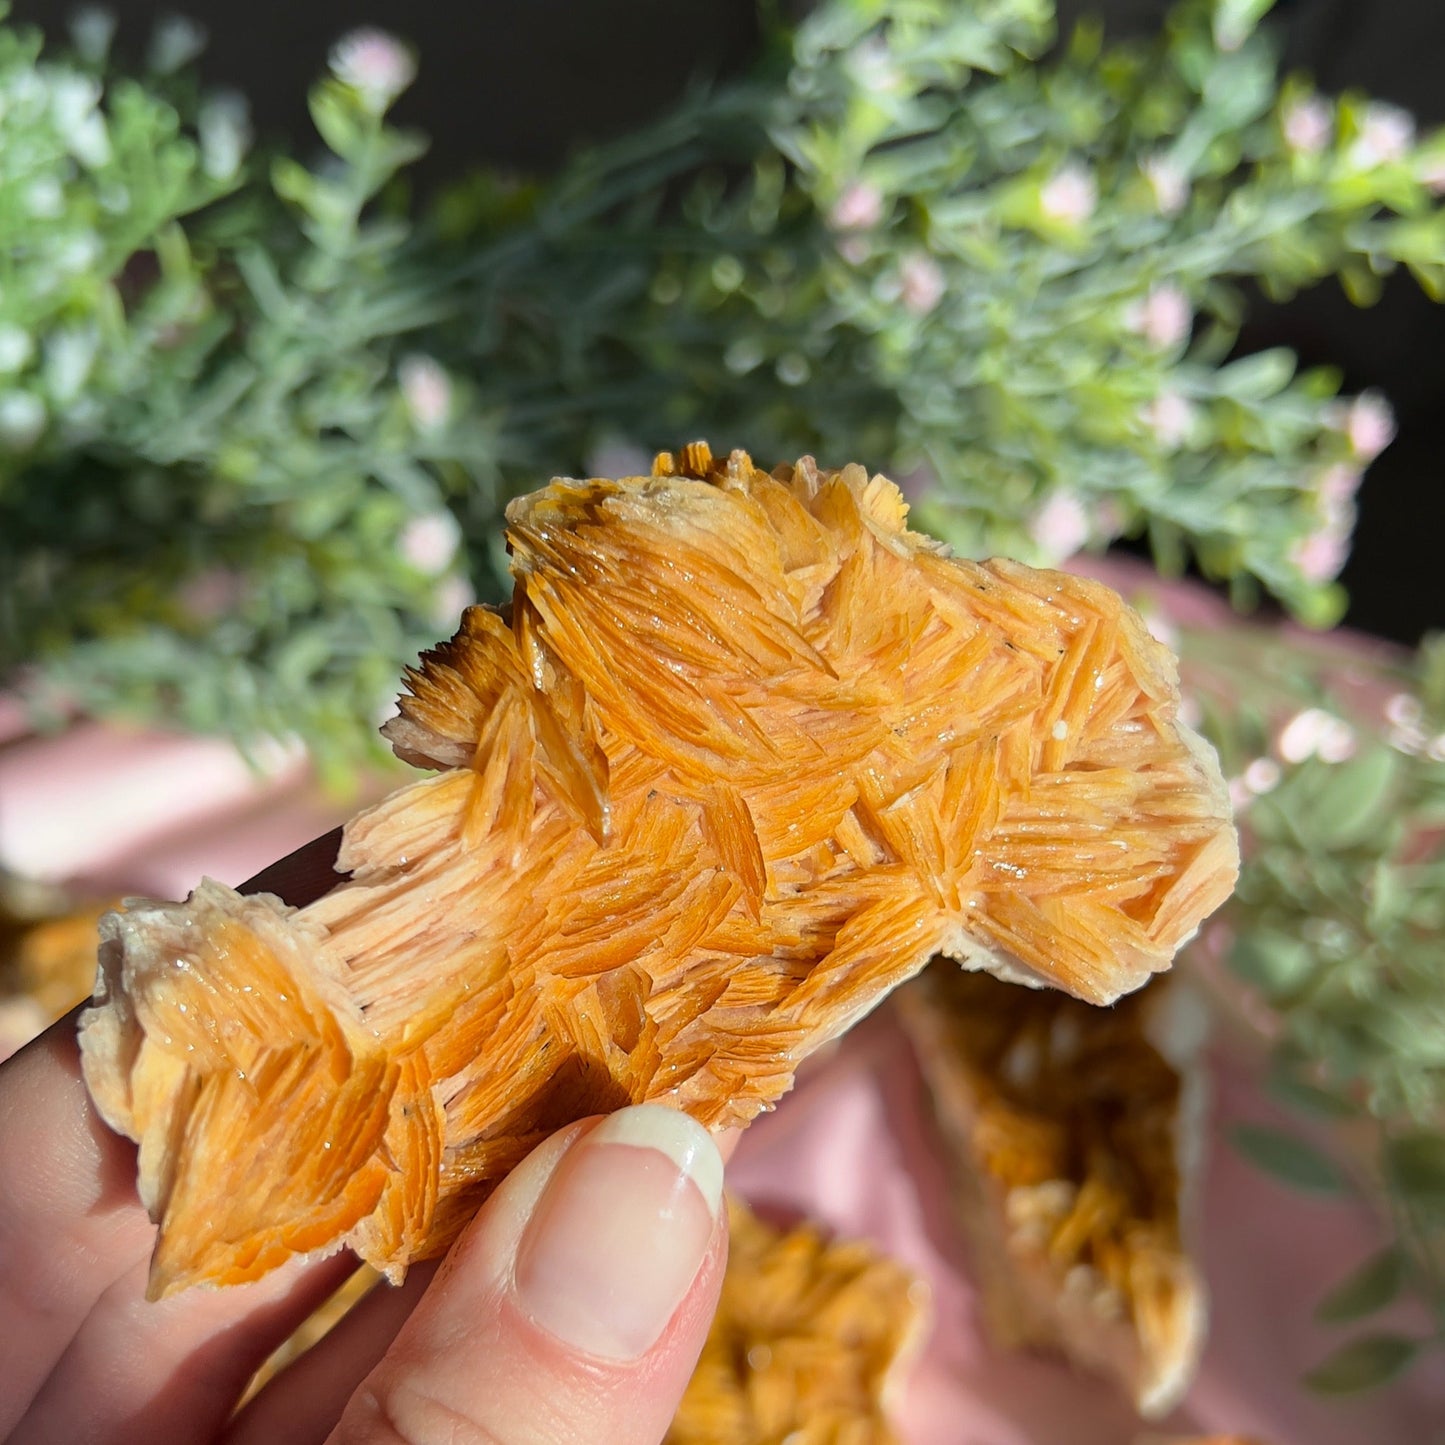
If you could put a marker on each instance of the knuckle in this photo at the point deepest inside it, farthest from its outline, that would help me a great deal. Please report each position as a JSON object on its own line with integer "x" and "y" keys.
{"x": 401, "y": 1410}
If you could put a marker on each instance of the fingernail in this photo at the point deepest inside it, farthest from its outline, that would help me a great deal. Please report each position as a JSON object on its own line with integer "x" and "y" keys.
{"x": 618, "y": 1237}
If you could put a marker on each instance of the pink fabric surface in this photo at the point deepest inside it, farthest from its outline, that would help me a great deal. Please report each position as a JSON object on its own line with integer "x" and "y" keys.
{"x": 96, "y": 799}
{"x": 14, "y": 722}
{"x": 231, "y": 845}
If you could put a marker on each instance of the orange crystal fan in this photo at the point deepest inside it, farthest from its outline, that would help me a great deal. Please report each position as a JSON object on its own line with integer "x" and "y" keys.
{"x": 810, "y": 1343}
{"x": 742, "y": 756}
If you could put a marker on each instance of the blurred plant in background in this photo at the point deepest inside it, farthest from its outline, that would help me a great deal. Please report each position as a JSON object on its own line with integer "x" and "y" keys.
{"x": 258, "y": 421}
{"x": 1336, "y": 755}
{"x": 219, "y": 503}
{"x": 259, "y": 418}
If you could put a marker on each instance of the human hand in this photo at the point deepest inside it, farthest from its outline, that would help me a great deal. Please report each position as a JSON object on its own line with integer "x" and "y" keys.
{"x": 571, "y": 1310}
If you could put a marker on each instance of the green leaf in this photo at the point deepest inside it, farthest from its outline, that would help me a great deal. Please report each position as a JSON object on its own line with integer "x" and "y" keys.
{"x": 1236, "y": 20}
{"x": 340, "y": 118}
{"x": 1362, "y": 285}
{"x": 1363, "y": 1364}
{"x": 1272, "y": 961}
{"x": 1416, "y": 1165}
{"x": 303, "y": 656}
{"x": 1388, "y": 895}
{"x": 1430, "y": 278}
{"x": 1307, "y": 1098}
{"x": 1288, "y": 1158}
{"x": 1320, "y": 607}
{"x": 1371, "y": 1287}
{"x": 398, "y": 148}
{"x": 1349, "y": 801}
{"x": 1432, "y": 671}
{"x": 293, "y": 182}
{"x": 1257, "y": 377}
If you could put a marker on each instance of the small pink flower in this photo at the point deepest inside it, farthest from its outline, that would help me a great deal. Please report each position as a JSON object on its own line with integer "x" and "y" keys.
{"x": 1408, "y": 739}
{"x": 616, "y": 457}
{"x": 1322, "y": 554}
{"x": 1316, "y": 733}
{"x": 855, "y": 250}
{"x": 1338, "y": 743}
{"x": 1060, "y": 527}
{"x": 918, "y": 481}
{"x": 429, "y": 543}
{"x": 1262, "y": 775}
{"x": 1070, "y": 195}
{"x": 427, "y": 391}
{"x": 1301, "y": 734}
{"x": 923, "y": 283}
{"x": 1169, "y": 418}
{"x": 1403, "y": 710}
{"x": 375, "y": 65}
{"x": 1308, "y": 125}
{"x": 212, "y": 593}
{"x": 452, "y": 598}
{"x": 1110, "y": 517}
{"x": 1386, "y": 135}
{"x": 1369, "y": 423}
{"x": 1163, "y": 318}
{"x": 1161, "y": 629}
{"x": 1405, "y": 714}
{"x": 1168, "y": 183}
{"x": 859, "y": 208}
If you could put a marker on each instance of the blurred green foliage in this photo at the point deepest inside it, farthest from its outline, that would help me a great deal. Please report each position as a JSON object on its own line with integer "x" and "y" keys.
{"x": 258, "y": 419}
{"x": 1337, "y": 765}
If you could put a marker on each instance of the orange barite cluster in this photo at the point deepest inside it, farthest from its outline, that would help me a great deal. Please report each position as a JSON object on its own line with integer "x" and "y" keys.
{"x": 810, "y": 1338}
{"x": 743, "y": 754}
{"x": 1072, "y": 1138}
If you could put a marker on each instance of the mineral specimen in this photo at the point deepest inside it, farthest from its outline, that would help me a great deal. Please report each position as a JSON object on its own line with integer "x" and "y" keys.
{"x": 1073, "y": 1139}
{"x": 809, "y": 1339}
{"x": 742, "y": 754}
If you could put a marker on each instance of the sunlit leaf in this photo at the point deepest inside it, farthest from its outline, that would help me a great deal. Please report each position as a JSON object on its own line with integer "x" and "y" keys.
{"x": 1349, "y": 800}
{"x": 1252, "y": 378}
{"x": 339, "y": 116}
{"x": 1272, "y": 961}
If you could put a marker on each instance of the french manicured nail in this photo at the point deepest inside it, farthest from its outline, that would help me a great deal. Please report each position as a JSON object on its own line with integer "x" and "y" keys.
{"x": 616, "y": 1240}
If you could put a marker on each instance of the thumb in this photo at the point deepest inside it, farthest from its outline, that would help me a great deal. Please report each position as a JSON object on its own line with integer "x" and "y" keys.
{"x": 574, "y": 1307}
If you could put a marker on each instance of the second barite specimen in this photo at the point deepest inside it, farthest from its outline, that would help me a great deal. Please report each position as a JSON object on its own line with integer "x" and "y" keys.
{"x": 1073, "y": 1138}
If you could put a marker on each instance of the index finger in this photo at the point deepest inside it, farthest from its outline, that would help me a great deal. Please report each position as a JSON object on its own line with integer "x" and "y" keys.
{"x": 70, "y": 1220}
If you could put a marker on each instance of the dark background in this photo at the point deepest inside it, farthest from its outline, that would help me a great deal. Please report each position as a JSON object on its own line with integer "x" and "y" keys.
{"x": 518, "y": 82}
